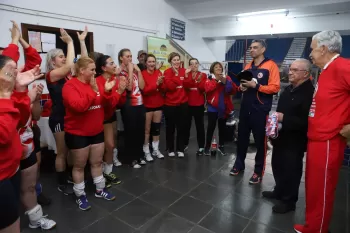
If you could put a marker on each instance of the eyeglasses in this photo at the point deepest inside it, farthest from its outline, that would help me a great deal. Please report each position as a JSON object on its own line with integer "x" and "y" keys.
{"x": 296, "y": 70}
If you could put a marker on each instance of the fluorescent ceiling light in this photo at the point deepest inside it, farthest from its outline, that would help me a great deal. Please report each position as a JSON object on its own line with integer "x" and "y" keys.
{"x": 285, "y": 11}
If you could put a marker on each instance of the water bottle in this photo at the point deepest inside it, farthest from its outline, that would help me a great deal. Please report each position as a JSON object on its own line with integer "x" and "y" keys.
{"x": 214, "y": 147}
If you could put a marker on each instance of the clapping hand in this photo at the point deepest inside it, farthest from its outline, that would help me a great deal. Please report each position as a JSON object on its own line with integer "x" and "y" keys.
{"x": 83, "y": 35}
{"x": 109, "y": 85}
{"x": 65, "y": 37}
{"x": 26, "y": 78}
{"x": 35, "y": 93}
{"x": 122, "y": 86}
{"x": 93, "y": 84}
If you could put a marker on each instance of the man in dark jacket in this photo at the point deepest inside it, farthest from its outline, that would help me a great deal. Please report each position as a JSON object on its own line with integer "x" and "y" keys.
{"x": 290, "y": 145}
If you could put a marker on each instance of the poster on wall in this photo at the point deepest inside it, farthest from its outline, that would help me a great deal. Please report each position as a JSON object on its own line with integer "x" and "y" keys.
{"x": 177, "y": 29}
{"x": 35, "y": 40}
{"x": 161, "y": 49}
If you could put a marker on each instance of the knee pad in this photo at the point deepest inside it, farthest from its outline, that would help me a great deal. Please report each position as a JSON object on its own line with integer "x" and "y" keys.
{"x": 155, "y": 129}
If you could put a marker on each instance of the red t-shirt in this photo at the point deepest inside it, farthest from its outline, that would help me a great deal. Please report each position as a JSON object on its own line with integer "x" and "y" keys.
{"x": 174, "y": 87}
{"x": 134, "y": 95}
{"x": 195, "y": 89}
{"x": 13, "y": 111}
{"x": 330, "y": 108}
{"x": 152, "y": 94}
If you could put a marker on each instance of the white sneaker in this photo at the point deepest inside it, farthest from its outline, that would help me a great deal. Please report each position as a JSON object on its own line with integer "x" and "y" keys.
{"x": 143, "y": 162}
{"x": 44, "y": 223}
{"x": 171, "y": 154}
{"x": 137, "y": 166}
{"x": 116, "y": 161}
{"x": 158, "y": 154}
{"x": 148, "y": 157}
{"x": 180, "y": 154}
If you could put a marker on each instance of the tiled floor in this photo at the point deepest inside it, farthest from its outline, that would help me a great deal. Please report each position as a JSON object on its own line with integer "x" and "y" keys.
{"x": 193, "y": 194}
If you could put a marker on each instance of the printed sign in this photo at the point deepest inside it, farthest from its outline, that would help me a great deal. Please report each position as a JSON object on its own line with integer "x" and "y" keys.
{"x": 177, "y": 29}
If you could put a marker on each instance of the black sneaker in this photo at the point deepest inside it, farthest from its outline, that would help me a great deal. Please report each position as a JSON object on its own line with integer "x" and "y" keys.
{"x": 66, "y": 189}
{"x": 43, "y": 200}
{"x": 221, "y": 149}
{"x": 207, "y": 152}
{"x": 255, "y": 179}
{"x": 112, "y": 178}
{"x": 283, "y": 208}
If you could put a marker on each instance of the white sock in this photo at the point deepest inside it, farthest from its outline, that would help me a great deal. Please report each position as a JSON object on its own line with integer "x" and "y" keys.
{"x": 155, "y": 145}
{"x": 115, "y": 153}
{"x": 35, "y": 214}
{"x": 79, "y": 189}
{"x": 146, "y": 148}
{"x": 107, "y": 168}
{"x": 100, "y": 183}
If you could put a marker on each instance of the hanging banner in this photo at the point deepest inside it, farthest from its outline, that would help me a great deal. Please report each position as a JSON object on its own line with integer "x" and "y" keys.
{"x": 161, "y": 49}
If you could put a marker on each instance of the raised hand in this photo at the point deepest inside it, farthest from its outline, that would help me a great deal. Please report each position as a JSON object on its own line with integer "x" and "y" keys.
{"x": 35, "y": 93}
{"x": 121, "y": 86}
{"x": 93, "y": 84}
{"x": 159, "y": 65}
{"x": 15, "y": 32}
{"x": 65, "y": 37}
{"x": 136, "y": 67}
{"x": 83, "y": 35}
{"x": 26, "y": 78}
{"x": 109, "y": 85}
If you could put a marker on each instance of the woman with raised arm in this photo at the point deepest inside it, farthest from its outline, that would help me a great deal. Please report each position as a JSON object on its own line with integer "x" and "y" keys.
{"x": 58, "y": 68}
{"x": 133, "y": 111}
{"x": 175, "y": 108}
{"x": 154, "y": 101}
{"x": 84, "y": 103}
{"x": 106, "y": 70}
{"x": 15, "y": 112}
{"x": 196, "y": 99}
{"x": 218, "y": 88}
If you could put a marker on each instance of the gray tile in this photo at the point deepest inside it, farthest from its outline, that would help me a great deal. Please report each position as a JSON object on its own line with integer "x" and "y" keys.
{"x": 108, "y": 224}
{"x": 260, "y": 228}
{"x": 199, "y": 229}
{"x": 190, "y": 208}
{"x": 239, "y": 204}
{"x": 221, "y": 221}
{"x": 181, "y": 183}
{"x": 166, "y": 222}
{"x": 136, "y": 213}
{"x": 161, "y": 197}
{"x": 209, "y": 193}
{"x": 136, "y": 186}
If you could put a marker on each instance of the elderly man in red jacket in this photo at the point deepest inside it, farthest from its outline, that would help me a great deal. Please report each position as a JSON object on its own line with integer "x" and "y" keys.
{"x": 329, "y": 119}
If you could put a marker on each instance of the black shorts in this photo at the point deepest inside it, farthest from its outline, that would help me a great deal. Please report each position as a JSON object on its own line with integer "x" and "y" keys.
{"x": 74, "y": 142}
{"x": 30, "y": 161}
{"x": 10, "y": 200}
{"x": 56, "y": 124}
{"x": 36, "y": 139}
{"x": 112, "y": 119}
{"x": 154, "y": 109}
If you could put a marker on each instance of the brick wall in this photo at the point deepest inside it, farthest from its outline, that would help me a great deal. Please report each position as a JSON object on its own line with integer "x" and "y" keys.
{"x": 347, "y": 157}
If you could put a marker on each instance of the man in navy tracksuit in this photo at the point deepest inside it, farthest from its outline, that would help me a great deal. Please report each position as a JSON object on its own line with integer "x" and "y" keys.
{"x": 255, "y": 107}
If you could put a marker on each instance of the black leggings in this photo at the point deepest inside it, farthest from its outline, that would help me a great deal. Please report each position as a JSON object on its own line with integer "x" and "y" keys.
{"x": 196, "y": 112}
{"x": 212, "y": 118}
{"x": 134, "y": 118}
{"x": 175, "y": 118}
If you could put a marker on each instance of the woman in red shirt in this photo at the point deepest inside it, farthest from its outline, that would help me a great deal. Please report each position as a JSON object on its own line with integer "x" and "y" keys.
{"x": 175, "y": 108}
{"x": 84, "y": 103}
{"x": 133, "y": 111}
{"x": 106, "y": 69}
{"x": 195, "y": 92}
{"x": 153, "y": 101}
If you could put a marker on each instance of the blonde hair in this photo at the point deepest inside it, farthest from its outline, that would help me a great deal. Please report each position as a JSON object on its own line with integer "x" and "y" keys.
{"x": 50, "y": 56}
{"x": 82, "y": 63}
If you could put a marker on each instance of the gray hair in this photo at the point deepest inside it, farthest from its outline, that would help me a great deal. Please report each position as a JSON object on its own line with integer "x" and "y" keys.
{"x": 330, "y": 39}
{"x": 307, "y": 64}
{"x": 262, "y": 42}
{"x": 50, "y": 56}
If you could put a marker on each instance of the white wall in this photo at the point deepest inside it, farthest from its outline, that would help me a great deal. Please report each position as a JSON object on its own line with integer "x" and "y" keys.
{"x": 218, "y": 48}
{"x": 281, "y": 26}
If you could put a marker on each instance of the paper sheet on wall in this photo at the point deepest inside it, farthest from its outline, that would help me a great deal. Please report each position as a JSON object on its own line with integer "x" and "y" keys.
{"x": 48, "y": 38}
{"x": 35, "y": 40}
{"x": 43, "y": 62}
{"x": 47, "y": 47}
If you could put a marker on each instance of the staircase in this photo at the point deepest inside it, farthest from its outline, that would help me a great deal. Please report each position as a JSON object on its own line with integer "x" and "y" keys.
{"x": 248, "y": 58}
{"x": 295, "y": 51}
